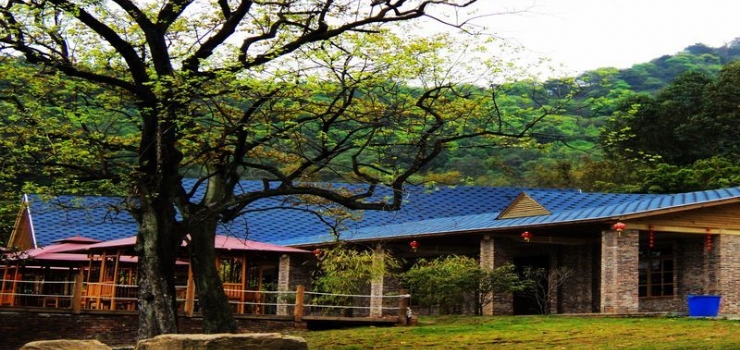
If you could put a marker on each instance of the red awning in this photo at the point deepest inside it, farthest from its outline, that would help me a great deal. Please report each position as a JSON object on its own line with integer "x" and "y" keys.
{"x": 66, "y": 245}
{"x": 233, "y": 243}
{"x": 120, "y": 243}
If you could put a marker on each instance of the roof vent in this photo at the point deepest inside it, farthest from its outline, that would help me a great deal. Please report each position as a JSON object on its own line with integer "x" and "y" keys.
{"x": 523, "y": 206}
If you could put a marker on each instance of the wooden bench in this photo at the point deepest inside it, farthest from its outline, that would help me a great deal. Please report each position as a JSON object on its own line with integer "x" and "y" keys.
{"x": 235, "y": 294}
{"x": 99, "y": 295}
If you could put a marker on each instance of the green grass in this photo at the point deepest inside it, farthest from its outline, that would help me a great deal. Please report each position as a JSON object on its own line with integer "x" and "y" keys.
{"x": 536, "y": 332}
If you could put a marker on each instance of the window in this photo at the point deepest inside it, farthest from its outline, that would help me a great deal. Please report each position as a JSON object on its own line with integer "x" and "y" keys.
{"x": 230, "y": 270}
{"x": 656, "y": 272}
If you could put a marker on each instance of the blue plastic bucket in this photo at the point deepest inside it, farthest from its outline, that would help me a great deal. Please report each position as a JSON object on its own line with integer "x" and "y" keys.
{"x": 703, "y": 305}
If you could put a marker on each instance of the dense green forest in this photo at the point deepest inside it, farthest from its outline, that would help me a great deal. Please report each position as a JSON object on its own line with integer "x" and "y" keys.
{"x": 569, "y": 148}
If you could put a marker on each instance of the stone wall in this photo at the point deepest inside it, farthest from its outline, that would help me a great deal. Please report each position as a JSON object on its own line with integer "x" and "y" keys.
{"x": 503, "y": 250}
{"x": 728, "y": 250}
{"x": 18, "y": 327}
{"x": 670, "y": 305}
{"x": 691, "y": 261}
{"x": 576, "y": 294}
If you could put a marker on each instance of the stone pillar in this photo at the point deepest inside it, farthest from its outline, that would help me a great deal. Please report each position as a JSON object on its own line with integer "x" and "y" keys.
{"x": 727, "y": 248}
{"x": 283, "y": 284}
{"x": 619, "y": 272}
{"x": 376, "y": 284}
{"x": 487, "y": 255}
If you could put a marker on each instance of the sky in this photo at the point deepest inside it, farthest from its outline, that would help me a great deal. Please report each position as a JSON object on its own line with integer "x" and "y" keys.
{"x": 588, "y": 34}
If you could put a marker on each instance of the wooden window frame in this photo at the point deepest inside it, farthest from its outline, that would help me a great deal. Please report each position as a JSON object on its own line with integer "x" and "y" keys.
{"x": 659, "y": 281}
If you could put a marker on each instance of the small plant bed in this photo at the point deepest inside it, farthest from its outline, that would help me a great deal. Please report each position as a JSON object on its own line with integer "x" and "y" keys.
{"x": 537, "y": 332}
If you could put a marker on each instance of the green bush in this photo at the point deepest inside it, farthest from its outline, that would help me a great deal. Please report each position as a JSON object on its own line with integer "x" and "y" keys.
{"x": 457, "y": 284}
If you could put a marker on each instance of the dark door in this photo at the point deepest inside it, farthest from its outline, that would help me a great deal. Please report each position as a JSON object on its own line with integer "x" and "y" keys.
{"x": 525, "y": 303}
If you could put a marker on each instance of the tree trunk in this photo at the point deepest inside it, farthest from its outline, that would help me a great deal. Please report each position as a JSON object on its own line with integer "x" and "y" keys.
{"x": 218, "y": 317}
{"x": 159, "y": 237}
{"x": 156, "y": 278}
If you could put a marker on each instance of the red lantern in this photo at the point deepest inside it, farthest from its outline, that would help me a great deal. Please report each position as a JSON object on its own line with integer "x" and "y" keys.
{"x": 620, "y": 226}
{"x": 526, "y": 236}
{"x": 317, "y": 252}
{"x": 414, "y": 245}
{"x": 708, "y": 244}
{"x": 651, "y": 238}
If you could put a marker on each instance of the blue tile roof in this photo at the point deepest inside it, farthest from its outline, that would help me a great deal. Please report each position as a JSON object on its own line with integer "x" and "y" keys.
{"x": 425, "y": 211}
{"x": 564, "y": 207}
{"x": 68, "y": 216}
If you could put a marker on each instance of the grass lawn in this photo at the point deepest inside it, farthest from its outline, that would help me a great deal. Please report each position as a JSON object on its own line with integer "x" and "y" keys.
{"x": 536, "y": 332}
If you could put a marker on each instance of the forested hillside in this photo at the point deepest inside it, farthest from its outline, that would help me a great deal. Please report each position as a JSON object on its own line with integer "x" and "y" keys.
{"x": 568, "y": 152}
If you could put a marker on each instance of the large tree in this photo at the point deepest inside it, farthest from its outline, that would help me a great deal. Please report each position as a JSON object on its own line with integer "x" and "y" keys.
{"x": 142, "y": 94}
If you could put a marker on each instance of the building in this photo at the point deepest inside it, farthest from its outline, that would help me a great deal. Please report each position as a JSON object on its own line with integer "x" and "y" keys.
{"x": 631, "y": 253}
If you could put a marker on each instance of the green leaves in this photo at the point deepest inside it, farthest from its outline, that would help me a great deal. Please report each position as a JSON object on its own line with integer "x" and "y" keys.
{"x": 54, "y": 127}
{"x": 344, "y": 270}
{"x": 455, "y": 284}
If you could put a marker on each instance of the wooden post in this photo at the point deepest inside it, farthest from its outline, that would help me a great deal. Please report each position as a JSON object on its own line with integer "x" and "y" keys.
{"x": 115, "y": 280}
{"x": 190, "y": 293}
{"x": 8, "y": 287}
{"x": 258, "y": 293}
{"x": 243, "y": 285}
{"x": 403, "y": 305}
{"x": 101, "y": 279}
{"x": 77, "y": 293}
{"x": 299, "y": 295}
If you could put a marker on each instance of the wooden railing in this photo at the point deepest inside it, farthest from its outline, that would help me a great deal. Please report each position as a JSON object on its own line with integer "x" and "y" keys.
{"x": 79, "y": 295}
{"x": 109, "y": 296}
{"x": 55, "y": 294}
{"x": 330, "y": 305}
{"x": 244, "y": 301}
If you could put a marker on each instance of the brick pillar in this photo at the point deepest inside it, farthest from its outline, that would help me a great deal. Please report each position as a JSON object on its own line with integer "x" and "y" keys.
{"x": 376, "y": 285}
{"x": 619, "y": 270}
{"x": 283, "y": 284}
{"x": 727, "y": 248}
{"x": 487, "y": 255}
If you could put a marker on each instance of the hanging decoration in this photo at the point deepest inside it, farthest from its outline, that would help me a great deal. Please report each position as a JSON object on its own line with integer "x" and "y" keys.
{"x": 619, "y": 227}
{"x": 317, "y": 252}
{"x": 651, "y": 237}
{"x": 526, "y": 236}
{"x": 708, "y": 243}
{"x": 414, "y": 245}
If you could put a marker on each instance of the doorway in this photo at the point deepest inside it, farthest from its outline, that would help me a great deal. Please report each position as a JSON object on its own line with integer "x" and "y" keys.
{"x": 525, "y": 302}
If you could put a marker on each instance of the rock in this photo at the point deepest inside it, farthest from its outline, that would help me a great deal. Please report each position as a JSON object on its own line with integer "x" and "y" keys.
{"x": 262, "y": 341}
{"x": 65, "y": 344}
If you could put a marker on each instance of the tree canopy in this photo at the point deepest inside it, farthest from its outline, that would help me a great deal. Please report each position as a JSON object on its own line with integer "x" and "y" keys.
{"x": 688, "y": 129}
{"x": 129, "y": 97}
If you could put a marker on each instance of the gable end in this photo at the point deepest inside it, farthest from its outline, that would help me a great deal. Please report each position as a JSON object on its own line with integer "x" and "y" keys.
{"x": 523, "y": 206}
